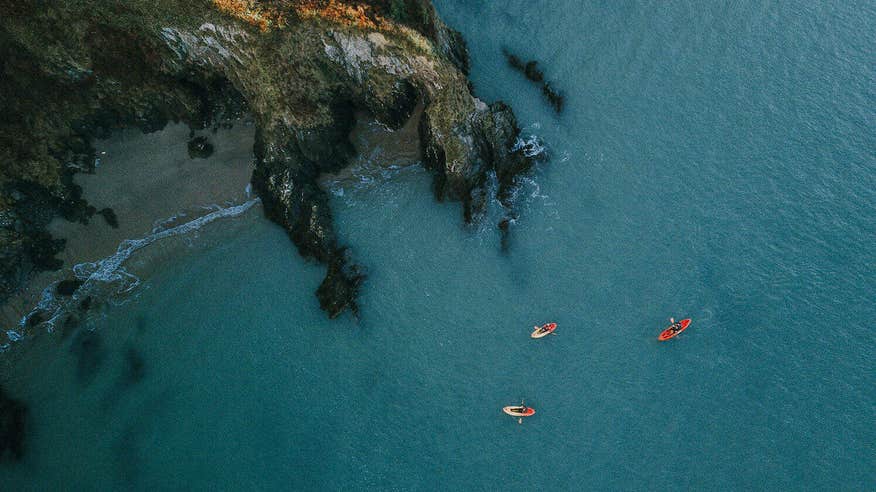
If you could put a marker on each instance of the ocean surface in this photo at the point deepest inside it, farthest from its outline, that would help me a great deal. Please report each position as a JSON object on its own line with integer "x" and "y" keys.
{"x": 714, "y": 161}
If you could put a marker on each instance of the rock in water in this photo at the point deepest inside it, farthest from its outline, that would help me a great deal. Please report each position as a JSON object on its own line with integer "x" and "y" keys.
{"x": 531, "y": 71}
{"x": 110, "y": 217}
{"x": 555, "y": 99}
{"x": 67, "y": 287}
{"x": 200, "y": 148}
{"x": 90, "y": 352}
{"x": 13, "y": 419}
{"x": 340, "y": 287}
{"x": 135, "y": 367}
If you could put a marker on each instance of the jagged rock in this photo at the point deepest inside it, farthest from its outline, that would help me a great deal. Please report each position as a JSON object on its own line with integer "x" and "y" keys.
{"x": 531, "y": 71}
{"x": 504, "y": 228}
{"x": 555, "y": 99}
{"x": 85, "y": 305}
{"x": 13, "y": 421}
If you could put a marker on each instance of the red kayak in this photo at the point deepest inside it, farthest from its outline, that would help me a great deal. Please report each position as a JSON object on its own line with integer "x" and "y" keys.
{"x": 545, "y": 330}
{"x": 670, "y": 333}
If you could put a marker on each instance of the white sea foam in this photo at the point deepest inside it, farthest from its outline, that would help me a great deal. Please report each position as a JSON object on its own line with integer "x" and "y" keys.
{"x": 532, "y": 146}
{"x": 107, "y": 277}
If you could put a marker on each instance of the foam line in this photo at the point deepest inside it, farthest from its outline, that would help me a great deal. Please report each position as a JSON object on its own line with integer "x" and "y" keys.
{"x": 109, "y": 271}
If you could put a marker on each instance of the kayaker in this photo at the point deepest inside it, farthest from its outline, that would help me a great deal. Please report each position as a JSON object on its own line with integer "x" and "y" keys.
{"x": 675, "y": 326}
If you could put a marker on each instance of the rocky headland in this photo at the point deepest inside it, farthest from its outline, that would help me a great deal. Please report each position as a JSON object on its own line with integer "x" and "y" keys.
{"x": 75, "y": 71}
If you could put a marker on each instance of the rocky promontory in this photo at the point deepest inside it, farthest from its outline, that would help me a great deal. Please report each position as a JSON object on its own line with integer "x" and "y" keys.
{"x": 73, "y": 71}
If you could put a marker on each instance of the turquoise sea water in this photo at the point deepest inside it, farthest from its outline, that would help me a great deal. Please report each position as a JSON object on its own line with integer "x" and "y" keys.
{"x": 714, "y": 162}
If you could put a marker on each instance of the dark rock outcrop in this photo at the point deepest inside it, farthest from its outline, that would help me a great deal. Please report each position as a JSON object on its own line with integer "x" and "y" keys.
{"x": 13, "y": 420}
{"x": 531, "y": 71}
{"x": 135, "y": 368}
{"x": 109, "y": 216}
{"x": 200, "y": 148}
{"x": 67, "y": 287}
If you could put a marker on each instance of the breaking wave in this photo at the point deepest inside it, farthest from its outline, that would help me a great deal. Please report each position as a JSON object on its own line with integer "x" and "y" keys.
{"x": 532, "y": 146}
{"x": 107, "y": 278}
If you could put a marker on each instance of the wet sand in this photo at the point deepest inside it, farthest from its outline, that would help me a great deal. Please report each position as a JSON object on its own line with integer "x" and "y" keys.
{"x": 144, "y": 179}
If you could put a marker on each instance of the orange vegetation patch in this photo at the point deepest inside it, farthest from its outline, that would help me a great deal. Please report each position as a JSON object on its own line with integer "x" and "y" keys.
{"x": 349, "y": 13}
{"x": 264, "y": 15}
{"x": 269, "y": 14}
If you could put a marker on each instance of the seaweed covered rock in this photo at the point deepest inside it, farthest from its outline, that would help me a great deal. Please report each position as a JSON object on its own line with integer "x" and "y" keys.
{"x": 531, "y": 71}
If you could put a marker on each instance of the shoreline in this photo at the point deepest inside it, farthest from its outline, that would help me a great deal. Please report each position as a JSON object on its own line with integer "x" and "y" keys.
{"x": 151, "y": 183}
{"x": 155, "y": 188}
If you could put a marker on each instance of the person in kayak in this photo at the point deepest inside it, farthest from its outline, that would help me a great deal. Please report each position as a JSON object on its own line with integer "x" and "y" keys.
{"x": 675, "y": 326}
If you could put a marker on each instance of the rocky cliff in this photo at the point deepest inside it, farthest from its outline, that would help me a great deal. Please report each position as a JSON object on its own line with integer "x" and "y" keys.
{"x": 75, "y": 70}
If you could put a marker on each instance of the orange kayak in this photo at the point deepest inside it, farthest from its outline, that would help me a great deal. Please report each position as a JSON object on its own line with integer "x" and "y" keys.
{"x": 669, "y": 333}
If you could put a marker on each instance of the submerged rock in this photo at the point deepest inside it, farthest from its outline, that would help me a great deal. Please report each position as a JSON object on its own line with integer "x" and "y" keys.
{"x": 13, "y": 420}
{"x": 135, "y": 367}
{"x": 110, "y": 217}
{"x": 90, "y": 353}
{"x": 141, "y": 322}
{"x": 67, "y": 287}
{"x": 555, "y": 99}
{"x": 85, "y": 305}
{"x": 531, "y": 71}
{"x": 200, "y": 148}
